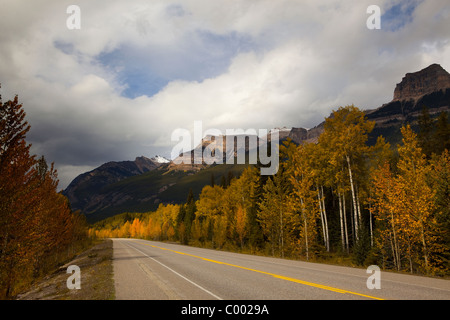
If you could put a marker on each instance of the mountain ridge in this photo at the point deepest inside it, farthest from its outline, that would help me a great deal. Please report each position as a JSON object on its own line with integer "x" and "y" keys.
{"x": 417, "y": 84}
{"x": 79, "y": 190}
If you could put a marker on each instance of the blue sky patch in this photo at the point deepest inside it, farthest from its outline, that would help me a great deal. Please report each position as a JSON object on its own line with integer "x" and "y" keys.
{"x": 147, "y": 70}
{"x": 399, "y": 15}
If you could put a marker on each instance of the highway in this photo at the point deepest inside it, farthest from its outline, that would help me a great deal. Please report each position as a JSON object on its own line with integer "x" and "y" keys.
{"x": 148, "y": 270}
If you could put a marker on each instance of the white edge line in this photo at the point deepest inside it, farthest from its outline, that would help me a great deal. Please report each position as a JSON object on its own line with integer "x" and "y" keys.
{"x": 181, "y": 276}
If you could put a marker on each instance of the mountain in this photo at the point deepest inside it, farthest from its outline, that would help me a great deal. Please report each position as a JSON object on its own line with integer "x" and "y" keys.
{"x": 141, "y": 185}
{"x": 244, "y": 144}
{"x": 429, "y": 87}
{"x": 83, "y": 191}
{"x": 160, "y": 159}
{"x": 415, "y": 85}
{"x": 144, "y": 192}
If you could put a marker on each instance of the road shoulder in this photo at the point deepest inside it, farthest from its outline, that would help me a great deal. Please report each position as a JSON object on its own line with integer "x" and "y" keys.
{"x": 96, "y": 278}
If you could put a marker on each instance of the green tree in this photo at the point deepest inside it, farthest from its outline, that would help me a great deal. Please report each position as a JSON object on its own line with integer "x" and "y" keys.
{"x": 440, "y": 182}
{"x": 276, "y": 214}
{"x": 189, "y": 215}
{"x": 425, "y": 134}
{"x": 441, "y": 137}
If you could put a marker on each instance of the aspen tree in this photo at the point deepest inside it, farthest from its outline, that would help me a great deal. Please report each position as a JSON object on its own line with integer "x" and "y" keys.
{"x": 386, "y": 211}
{"x": 417, "y": 195}
{"x": 344, "y": 137}
{"x": 302, "y": 179}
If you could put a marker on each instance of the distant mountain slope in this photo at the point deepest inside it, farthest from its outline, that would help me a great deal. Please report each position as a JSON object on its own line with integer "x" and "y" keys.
{"x": 144, "y": 192}
{"x": 82, "y": 191}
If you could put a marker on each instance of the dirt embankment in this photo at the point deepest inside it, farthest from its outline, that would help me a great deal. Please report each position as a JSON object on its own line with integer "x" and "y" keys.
{"x": 96, "y": 278}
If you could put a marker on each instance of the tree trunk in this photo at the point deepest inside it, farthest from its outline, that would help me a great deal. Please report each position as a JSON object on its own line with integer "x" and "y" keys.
{"x": 325, "y": 218}
{"x": 425, "y": 250}
{"x": 355, "y": 209}
{"x": 357, "y": 203}
{"x": 395, "y": 248}
{"x": 306, "y": 230}
{"x": 281, "y": 235}
{"x": 394, "y": 255}
{"x": 410, "y": 256}
{"x": 344, "y": 211}
{"x": 322, "y": 218}
{"x": 370, "y": 224}
{"x": 342, "y": 222}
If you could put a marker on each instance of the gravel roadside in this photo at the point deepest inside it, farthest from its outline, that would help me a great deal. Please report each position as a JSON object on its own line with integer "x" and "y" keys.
{"x": 96, "y": 278}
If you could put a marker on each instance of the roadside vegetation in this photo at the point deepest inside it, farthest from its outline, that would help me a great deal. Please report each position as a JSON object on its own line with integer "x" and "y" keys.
{"x": 38, "y": 230}
{"x": 96, "y": 277}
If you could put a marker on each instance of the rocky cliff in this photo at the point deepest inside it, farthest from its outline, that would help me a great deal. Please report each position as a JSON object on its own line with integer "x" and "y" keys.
{"x": 429, "y": 87}
{"x": 415, "y": 85}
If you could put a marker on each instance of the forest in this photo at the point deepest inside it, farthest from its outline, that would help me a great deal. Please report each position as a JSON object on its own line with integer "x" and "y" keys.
{"x": 339, "y": 200}
{"x": 38, "y": 230}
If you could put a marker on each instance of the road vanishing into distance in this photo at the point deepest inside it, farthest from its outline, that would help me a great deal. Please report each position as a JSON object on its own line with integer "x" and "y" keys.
{"x": 164, "y": 271}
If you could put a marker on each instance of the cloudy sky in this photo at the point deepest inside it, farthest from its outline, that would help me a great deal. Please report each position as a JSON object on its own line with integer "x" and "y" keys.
{"x": 137, "y": 70}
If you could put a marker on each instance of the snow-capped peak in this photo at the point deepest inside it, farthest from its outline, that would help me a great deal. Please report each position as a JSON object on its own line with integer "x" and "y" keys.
{"x": 160, "y": 159}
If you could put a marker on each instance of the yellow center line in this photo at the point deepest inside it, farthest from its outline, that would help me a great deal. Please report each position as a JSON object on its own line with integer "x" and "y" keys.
{"x": 311, "y": 284}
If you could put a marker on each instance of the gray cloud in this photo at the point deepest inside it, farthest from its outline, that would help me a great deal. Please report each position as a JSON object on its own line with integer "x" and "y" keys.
{"x": 137, "y": 70}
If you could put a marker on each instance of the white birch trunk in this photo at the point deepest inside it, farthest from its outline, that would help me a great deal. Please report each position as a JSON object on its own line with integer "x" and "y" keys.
{"x": 370, "y": 224}
{"x": 344, "y": 211}
{"x": 355, "y": 209}
{"x": 357, "y": 203}
{"x": 281, "y": 234}
{"x": 325, "y": 218}
{"x": 342, "y": 222}
{"x": 322, "y": 218}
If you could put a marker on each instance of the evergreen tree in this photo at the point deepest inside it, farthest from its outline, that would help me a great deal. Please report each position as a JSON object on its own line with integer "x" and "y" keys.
{"x": 276, "y": 215}
{"x": 190, "y": 214}
{"x": 212, "y": 179}
{"x": 425, "y": 132}
{"x": 441, "y": 137}
{"x": 223, "y": 182}
{"x": 362, "y": 247}
{"x": 440, "y": 182}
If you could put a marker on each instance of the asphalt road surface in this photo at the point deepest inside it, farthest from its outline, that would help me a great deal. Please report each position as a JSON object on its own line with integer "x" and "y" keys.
{"x": 163, "y": 271}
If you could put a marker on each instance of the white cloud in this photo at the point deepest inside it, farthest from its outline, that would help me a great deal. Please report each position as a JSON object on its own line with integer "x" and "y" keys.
{"x": 233, "y": 64}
